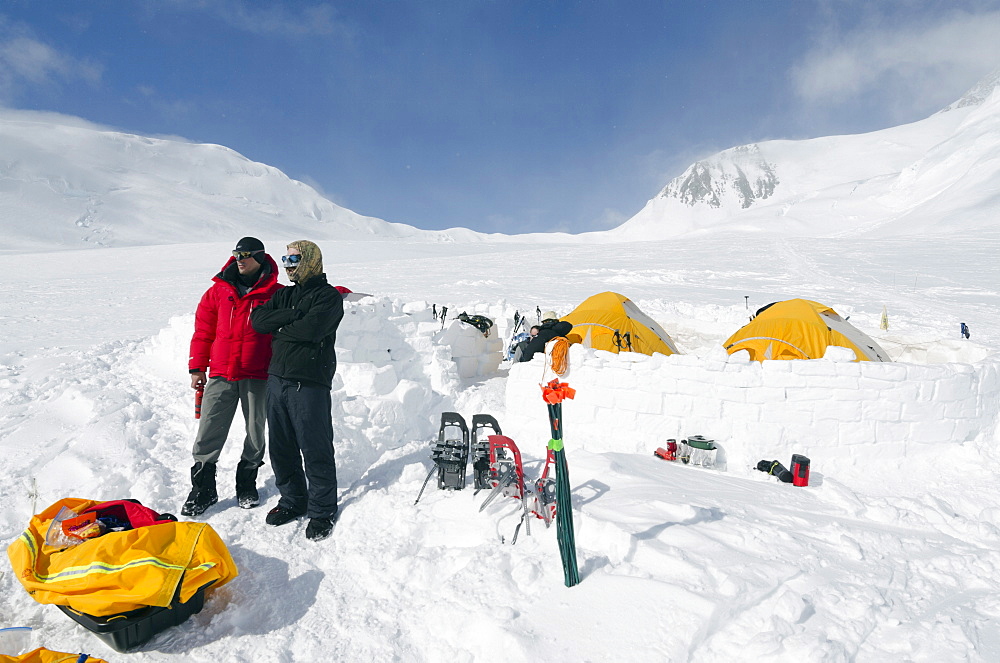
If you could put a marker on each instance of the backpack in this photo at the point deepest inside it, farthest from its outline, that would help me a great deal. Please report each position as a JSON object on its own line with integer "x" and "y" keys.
{"x": 480, "y": 322}
{"x": 514, "y": 342}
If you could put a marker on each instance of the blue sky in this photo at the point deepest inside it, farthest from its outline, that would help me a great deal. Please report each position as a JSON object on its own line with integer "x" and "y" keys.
{"x": 494, "y": 115}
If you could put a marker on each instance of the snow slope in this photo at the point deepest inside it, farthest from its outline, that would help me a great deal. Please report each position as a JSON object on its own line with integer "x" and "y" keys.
{"x": 892, "y": 559}
{"x": 66, "y": 183}
{"x": 929, "y": 177}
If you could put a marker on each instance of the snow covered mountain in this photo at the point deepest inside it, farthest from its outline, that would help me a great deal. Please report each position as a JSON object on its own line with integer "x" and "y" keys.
{"x": 934, "y": 176}
{"x": 67, "y": 184}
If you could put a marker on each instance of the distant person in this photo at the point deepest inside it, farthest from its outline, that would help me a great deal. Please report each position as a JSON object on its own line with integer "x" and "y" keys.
{"x": 520, "y": 342}
{"x": 235, "y": 357}
{"x": 548, "y": 330}
{"x": 303, "y": 321}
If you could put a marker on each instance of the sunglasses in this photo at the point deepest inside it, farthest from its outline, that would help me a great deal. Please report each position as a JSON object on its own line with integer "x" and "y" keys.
{"x": 291, "y": 261}
{"x": 243, "y": 255}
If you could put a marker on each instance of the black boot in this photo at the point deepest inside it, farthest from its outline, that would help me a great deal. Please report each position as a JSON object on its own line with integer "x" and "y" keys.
{"x": 203, "y": 493}
{"x": 319, "y": 528}
{"x": 246, "y": 485}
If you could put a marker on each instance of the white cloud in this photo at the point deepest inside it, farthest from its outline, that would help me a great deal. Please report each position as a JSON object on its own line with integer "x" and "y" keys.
{"x": 26, "y": 61}
{"x": 272, "y": 18}
{"x": 924, "y": 63}
{"x": 609, "y": 218}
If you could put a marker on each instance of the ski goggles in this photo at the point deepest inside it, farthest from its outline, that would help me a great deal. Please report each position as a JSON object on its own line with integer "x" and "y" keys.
{"x": 243, "y": 255}
{"x": 291, "y": 261}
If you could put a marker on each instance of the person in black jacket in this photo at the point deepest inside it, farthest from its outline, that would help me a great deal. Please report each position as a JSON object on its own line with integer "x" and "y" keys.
{"x": 548, "y": 330}
{"x": 302, "y": 321}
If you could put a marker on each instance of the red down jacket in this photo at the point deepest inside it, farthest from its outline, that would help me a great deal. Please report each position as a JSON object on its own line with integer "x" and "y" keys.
{"x": 224, "y": 344}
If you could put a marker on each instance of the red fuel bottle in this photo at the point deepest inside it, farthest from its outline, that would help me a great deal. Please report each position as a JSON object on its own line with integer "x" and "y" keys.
{"x": 198, "y": 394}
{"x": 670, "y": 453}
{"x": 800, "y": 470}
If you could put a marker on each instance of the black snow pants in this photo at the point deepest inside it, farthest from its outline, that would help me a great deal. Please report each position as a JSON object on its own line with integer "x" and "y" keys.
{"x": 300, "y": 428}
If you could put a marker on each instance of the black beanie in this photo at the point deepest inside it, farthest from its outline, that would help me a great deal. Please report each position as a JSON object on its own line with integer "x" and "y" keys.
{"x": 249, "y": 244}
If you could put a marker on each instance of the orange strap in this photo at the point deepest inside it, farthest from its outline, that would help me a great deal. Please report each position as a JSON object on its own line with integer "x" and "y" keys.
{"x": 556, "y": 391}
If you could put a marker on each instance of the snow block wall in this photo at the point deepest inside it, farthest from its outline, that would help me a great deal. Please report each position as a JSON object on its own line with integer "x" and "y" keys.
{"x": 829, "y": 408}
{"x": 397, "y": 370}
{"x": 474, "y": 354}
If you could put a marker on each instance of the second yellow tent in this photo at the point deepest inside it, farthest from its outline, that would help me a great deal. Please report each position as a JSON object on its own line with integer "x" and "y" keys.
{"x": 801, "y": 329}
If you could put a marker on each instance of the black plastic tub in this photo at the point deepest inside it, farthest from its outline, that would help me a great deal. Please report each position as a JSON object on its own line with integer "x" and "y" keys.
{"x": 127, "y": 631}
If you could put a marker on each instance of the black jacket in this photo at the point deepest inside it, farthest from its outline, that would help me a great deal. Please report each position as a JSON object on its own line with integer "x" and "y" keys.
{"x": 548, "y": 331}
{"x": 302, "y": 321}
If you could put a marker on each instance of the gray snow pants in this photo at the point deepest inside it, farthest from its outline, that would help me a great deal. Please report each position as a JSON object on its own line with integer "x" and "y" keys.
{"x": 218, "y": 407}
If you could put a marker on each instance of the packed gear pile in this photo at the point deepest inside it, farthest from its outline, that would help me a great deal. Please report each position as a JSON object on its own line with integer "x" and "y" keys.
{"x": 120, "y": 569}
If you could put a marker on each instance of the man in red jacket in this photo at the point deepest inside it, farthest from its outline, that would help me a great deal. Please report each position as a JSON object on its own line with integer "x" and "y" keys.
{"x": 235, "y": 357}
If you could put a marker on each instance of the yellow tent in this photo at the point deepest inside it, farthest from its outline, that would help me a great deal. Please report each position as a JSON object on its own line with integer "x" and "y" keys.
{"x": 119, "y": 571}
{"x": 610, "y": 321}
{"x": 801, "y": 329}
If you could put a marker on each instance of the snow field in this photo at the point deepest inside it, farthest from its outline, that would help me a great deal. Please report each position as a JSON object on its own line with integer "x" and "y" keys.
{"x": 890, "y": 554}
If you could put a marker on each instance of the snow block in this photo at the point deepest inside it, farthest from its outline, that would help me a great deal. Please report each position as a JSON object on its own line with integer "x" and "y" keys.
{"x": 637, "y": 401}
{"x": 954, "y": 388}
{"x": 742, "y": 412}
{"x": 835, "y": 353}
{"x": 880, "y": 410}
{"x": 836, "y": 411}
{"x": 367, "y": 378}
{"x": 812, "y": 367}
{"x": 739, "y": 357}
{"x": 891, "y": 432}
{"x": 932, "y": 432}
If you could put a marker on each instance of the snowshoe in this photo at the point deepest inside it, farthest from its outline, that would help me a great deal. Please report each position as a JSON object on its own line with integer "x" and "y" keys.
{"x": 506, "y": 475}
{"x": 543, "y": 501}
{"x": 450, "y": 454}
{"x": 481, "y": 449}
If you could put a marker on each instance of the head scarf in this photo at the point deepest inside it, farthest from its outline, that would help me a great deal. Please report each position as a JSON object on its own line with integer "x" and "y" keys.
{"x": 311, "y": 263}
